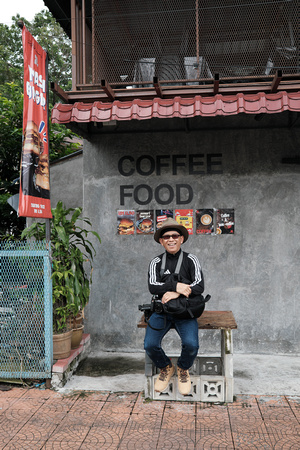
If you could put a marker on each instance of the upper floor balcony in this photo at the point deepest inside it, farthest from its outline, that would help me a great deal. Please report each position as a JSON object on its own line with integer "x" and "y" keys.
{"x": 126, "y": 49}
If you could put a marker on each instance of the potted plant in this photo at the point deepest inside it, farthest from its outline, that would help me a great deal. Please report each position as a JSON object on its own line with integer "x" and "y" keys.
{"x": 72, "y": 255}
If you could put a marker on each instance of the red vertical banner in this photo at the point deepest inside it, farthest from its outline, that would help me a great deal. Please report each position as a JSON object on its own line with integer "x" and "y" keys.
{"x": 34, "y": 199}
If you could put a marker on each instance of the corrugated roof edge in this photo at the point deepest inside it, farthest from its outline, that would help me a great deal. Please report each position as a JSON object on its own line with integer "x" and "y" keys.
{"x": 219, "y": 105}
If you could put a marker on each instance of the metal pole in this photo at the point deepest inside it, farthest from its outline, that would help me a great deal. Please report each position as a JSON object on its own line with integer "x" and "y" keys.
{"x": 197, "y": 38}
{"x": 47, "y": 225}
{"x": 48, "y": 231}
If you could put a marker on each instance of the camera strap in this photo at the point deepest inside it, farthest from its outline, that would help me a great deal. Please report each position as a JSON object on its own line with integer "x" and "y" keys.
{"x": 157, "y": 329}
{"x": 163, "y": 263}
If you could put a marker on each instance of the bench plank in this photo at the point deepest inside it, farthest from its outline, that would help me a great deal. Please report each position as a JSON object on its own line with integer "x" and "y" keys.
{"x": 210, "y": 320}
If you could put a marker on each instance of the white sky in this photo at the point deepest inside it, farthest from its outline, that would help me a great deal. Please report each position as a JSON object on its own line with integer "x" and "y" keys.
{"x": 26, "y": 9}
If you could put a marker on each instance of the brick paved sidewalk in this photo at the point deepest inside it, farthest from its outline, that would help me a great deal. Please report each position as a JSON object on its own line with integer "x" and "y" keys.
{"x": 44, "y": 419}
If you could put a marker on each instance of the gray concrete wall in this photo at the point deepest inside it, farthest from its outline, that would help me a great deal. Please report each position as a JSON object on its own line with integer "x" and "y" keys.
{"x": 254, "y": 273}
{"x": 66, "y": 178}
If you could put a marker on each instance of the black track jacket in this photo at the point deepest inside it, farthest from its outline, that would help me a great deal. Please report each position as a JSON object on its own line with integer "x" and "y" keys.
{"x": 190, "y": 273}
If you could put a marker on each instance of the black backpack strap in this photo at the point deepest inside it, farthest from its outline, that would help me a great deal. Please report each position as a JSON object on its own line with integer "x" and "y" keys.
{"x": 163, "y": 264}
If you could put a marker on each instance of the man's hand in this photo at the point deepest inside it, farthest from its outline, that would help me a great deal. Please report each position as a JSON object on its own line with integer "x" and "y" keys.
{"x": 169, "y": 295}
{"x": 183, "y": 289}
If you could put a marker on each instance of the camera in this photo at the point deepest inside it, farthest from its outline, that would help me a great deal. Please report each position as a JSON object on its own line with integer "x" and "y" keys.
{"x": 155, "y": 306}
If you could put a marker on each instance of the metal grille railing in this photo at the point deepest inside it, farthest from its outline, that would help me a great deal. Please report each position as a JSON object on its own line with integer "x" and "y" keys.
{"x": 25, "y": 311}
{"x": 135, "y": 40}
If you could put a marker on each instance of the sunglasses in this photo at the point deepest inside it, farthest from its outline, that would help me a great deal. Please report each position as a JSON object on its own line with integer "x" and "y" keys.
{"x": 166, "y": 237}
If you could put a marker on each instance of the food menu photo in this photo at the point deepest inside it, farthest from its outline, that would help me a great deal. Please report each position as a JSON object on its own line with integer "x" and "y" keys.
{"x": 125, "y": 219}
{"x": 185, "y": 217}
{"x": 163, "y": 214}
{"x": 208, "y": 221}
{"x": 204, "y": 221}
{"x": 145, "y": 222}
{"x": 225, "y": 221}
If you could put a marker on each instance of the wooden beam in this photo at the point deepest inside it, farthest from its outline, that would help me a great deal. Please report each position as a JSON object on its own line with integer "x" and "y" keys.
{"x": 246, "y": 81}
{"x": 60, "y": 92}
{"x": 108, "y": 90}
{"x": 216, "y": 83}
{"x": 96, "y": 92}
{"x": 74, "y": 46}
{"x": 93, "y": 43}
{"x": 157, "y": 87}
{"x": 83, "y": 44}
{"x": 276, "y": 80}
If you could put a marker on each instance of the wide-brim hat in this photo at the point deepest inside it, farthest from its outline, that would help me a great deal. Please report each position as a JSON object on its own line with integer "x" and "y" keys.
{"x": 171, "y": 224}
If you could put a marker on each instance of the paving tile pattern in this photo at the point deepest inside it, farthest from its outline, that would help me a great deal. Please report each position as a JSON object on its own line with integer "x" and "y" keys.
{"x": 43, "y": 419}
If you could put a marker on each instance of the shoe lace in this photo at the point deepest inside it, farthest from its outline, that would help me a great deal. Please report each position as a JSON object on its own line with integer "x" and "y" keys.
{"x": 183, "y": 375}
{"x": 164, "y": 373}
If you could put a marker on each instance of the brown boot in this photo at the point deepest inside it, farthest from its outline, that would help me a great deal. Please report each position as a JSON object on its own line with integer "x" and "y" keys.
{"x": 184, "y": 381}
{"x": 164, "y": 377}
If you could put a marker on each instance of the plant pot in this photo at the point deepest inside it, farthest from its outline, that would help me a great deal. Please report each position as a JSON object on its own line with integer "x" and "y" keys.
{"x": 74, "y": 322}
{"x": 76, "y": 336}
{"x": 79, "y": 318}
{"x": 62, "y": 345}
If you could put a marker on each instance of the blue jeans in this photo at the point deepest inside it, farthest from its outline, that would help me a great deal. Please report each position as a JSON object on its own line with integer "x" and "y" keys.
{"x": 188, "y": 332}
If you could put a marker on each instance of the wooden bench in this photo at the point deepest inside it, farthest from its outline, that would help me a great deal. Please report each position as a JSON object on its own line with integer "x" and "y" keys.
{"x": 212, "y": 377}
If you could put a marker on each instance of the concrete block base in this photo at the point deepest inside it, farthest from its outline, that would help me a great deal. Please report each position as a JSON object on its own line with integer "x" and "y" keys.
{"x": 208, "y": 378}
{"x": 204, "y": 389}
{"x": 212, "y": 389}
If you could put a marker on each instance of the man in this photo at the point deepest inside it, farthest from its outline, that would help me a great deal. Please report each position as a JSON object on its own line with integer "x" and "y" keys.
{"x": 178, "y": 273}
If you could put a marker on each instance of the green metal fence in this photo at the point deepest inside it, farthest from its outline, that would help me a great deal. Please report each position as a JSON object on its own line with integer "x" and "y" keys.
{"x": 25, "y": 310}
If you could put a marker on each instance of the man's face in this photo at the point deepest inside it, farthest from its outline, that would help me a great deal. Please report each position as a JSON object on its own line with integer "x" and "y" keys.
{"x": 171, "y": 241}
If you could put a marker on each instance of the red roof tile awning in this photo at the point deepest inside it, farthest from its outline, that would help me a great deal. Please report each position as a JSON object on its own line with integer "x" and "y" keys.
{"x": 219, "y": 105}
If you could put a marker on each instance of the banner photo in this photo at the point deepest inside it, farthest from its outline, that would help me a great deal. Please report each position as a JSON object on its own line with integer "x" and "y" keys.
{"x": 34, "y": 199}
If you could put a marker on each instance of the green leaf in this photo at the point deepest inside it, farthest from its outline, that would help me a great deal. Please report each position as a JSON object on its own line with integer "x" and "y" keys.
{"x": 62, "y": 234}
{"x": 71, "y": 250}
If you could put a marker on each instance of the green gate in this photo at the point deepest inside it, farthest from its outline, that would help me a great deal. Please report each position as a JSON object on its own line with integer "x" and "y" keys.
{"x": 25, "y": 310}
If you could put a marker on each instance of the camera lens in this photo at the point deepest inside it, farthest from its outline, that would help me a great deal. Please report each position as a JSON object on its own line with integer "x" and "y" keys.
{"x": 158, "y": 308}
